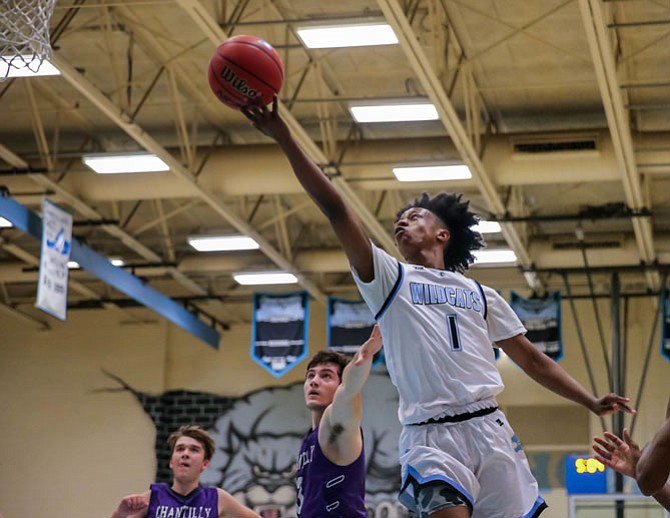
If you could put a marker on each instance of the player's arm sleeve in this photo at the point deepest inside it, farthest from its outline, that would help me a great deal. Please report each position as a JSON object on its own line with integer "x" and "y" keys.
{"x": 387, "y": 271}
{"x": 501, "y": 320}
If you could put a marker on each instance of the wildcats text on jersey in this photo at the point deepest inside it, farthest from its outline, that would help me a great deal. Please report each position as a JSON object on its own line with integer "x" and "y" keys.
{"x": 427, "y": 294}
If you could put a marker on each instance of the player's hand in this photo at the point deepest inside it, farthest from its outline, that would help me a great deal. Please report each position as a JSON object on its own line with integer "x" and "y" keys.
{"x": 612, "y": 403}
{"x": 267, "y": 121}
{"x": 371, "y": 346}
{"x": 619, "y": 454}
{"x": 132, "y": 504}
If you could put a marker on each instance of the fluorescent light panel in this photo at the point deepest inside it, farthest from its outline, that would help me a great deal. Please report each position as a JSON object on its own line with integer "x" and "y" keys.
{"x": 487, "y": 227}
{"x": 501, "y": 256}
{"x": 353, "y": 35}
{"x": 432, "y": 173}
{"x": 125, "y": 163}
{"x": 222, "y": 243}
{"x": 5, "y": 223}
{"x": 260, "y": 278}
{"x": 394, "y": 112}
{"x": 27, "y": 68}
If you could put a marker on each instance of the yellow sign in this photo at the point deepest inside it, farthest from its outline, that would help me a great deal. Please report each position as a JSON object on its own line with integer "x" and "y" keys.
{"x": 589, "y": 465}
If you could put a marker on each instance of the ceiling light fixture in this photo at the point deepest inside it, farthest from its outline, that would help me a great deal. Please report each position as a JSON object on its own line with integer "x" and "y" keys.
{"x": 393, "y": 112}
{"x": 117, "y": 261}
{"x": 222, "y": 243}
{"x": 347, "y": 35}
{"x": 5, "y": 223}
{"x": 432, "y": 173}
{"x": 491, "y": 257}
{"x": 125, "y": 163}
{"x": 29, "y": 67}
{"x": 73, "y": 265}
{"x": 260, "y": 278}
{"x": 487, "y": 227}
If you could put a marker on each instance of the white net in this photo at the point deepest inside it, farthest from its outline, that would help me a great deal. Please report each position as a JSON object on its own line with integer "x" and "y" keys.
{"x": 24, "y": 35}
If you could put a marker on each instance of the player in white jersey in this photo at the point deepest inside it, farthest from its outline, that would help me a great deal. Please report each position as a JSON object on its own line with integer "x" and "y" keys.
{"x": 459, "y": 456}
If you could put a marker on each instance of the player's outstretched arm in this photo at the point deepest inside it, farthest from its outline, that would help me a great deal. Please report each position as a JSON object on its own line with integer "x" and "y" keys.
{"x": 551, "y": 375}
{"x": 133, "y": 506}
{"x": 621, "y": 455}
{"x": 231, "y": 508}
{"x": 339, "y": 430}
{"x": 347, "y": 226}
{"x": 654, "y": 465}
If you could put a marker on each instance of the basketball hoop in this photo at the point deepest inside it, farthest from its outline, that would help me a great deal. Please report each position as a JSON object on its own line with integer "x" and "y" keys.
{"x": 24, "y": 35}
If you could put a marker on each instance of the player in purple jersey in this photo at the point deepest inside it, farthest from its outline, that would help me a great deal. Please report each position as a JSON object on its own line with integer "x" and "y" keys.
{"x": 458, "y": 455}
{"x": 192, "y": 449}
{"x": 330, "y": 478}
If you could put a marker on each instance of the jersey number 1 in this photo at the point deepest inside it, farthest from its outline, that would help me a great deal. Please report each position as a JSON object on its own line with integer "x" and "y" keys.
{"x": 454, "y": 335}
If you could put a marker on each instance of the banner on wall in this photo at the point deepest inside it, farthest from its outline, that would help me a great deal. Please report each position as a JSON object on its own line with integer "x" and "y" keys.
{"x": 54, "y": 256}
{"x": 349, "y": 324}
{"x": 665, "y": 339}
{"x": 542, "y": 319}
{"x": 279, "y": 330}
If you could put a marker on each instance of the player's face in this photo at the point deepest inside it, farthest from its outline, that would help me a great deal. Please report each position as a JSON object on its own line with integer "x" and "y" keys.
{"x": 417, "y": 229}
{"x": 188, "y": 459}
{"x": 320, "y": 385}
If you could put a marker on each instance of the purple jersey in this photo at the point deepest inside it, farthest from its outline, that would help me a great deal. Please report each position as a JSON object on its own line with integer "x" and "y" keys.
{"x": 326, "y": 489}
{"x": 202, "y": 502}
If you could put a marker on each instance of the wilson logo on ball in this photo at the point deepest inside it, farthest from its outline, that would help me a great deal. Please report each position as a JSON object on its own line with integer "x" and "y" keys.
{"x": 239, "y": 84}
{"x": 245, "y": 70}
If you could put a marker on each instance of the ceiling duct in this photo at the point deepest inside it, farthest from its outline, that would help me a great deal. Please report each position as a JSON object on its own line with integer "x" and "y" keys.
{"x": 593, "y": 243}
{"x": 555, "y": 147}
{"x": 541, "y": 147}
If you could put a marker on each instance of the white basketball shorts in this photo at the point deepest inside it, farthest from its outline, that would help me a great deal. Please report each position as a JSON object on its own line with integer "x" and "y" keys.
{"x": 480, "y": 458}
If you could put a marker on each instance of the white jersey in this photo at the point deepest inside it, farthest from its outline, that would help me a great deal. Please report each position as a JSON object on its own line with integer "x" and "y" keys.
{"x": 438, "y": 329}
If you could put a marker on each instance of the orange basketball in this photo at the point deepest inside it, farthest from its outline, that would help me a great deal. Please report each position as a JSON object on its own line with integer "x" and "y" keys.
{"x": 245, "y": 68}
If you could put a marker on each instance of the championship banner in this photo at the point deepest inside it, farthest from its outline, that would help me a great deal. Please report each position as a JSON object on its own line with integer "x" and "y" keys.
{"x": 56, "y": 245}
{"x": 665, "y": 339}
{"x": 542, "y": 319}
{"x": 349, "y": 325}
{"x": 279, "y": 330}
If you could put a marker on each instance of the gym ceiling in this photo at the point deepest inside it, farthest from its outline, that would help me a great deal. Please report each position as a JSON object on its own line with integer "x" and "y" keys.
{"x": 561, "y": 109}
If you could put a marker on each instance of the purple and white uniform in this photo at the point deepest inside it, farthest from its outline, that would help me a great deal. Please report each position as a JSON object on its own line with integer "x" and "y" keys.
{"x": 202, "y": 502}
{"x": 326, "y": 489}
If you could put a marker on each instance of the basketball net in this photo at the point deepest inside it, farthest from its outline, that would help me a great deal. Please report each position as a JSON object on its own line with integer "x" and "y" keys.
{"x": 24, "y": 34}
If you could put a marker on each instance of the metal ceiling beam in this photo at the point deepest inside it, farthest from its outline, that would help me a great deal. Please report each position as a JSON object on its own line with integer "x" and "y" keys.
{"x": 84, "y": 209}
{"x": 216, "y": 35}
{"x": 98, "y": 265}
{"x": 191, "y": 187}
{"x": 602, "y": 53}
{"x": 433, "y": 87}
{"x": 15, "y": 313}
{"x": 30, "y": 259}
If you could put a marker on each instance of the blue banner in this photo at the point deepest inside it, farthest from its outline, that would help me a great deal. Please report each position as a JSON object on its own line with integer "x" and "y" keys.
{"x": 279, "y": 330}
{"x": 665, "y": 330}
{"x": 30, "y": 223}
{"x": 542, "y": 319}
{"x": 349, "y": 325}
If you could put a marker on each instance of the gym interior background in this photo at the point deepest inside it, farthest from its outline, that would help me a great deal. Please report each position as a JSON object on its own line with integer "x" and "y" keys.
{"x": 559, "y": 109}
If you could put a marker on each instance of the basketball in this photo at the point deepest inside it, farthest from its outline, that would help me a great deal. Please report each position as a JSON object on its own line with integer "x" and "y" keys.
{"x": 243, "y": 69}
